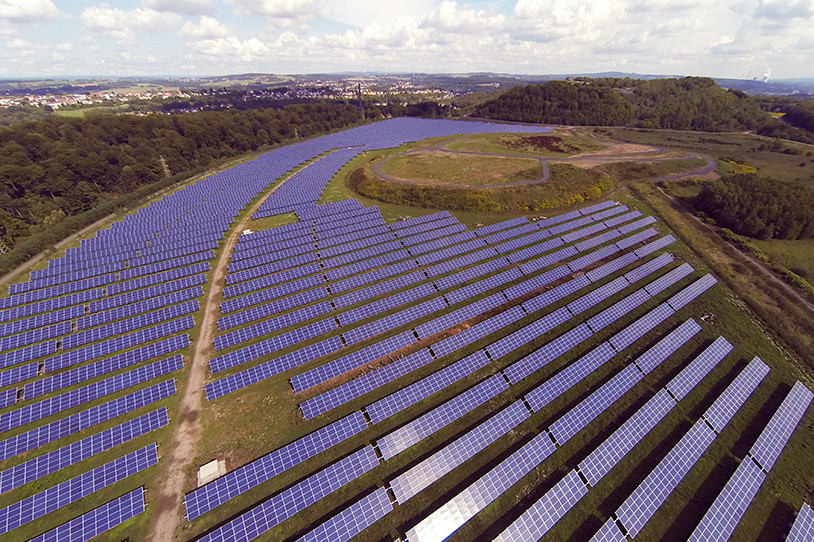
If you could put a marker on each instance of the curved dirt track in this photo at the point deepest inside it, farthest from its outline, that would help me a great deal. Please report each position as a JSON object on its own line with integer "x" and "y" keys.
{"x": 602, "y": 156}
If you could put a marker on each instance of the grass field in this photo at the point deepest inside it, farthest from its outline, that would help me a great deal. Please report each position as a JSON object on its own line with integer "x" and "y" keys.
{"x": 441, "y": 168}
{"x": 542, "y": 145}
{"x": 784, "y": 160}
{"x": 796, "y": 255}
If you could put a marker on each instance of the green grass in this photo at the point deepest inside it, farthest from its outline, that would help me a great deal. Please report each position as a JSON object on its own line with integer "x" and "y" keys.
{"x": 541, "y": 145}
{"x": 440, "y": 168}
{"x": 796, "y": 255}
{"x": 744, "y": 148}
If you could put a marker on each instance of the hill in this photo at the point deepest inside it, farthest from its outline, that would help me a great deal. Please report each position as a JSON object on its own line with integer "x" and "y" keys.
{"x": 690, "y": 103}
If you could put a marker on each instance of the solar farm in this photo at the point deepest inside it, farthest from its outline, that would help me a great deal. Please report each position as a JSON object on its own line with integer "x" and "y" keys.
{"x": 567, "y": 378}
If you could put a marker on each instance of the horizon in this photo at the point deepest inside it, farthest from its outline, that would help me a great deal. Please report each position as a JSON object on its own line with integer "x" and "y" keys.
{"x": 199, "y": 38}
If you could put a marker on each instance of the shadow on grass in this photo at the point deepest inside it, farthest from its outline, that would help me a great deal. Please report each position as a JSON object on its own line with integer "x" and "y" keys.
{"x": 587, "y": 529}
{"x": 632, "y": 481}
{"x": 759, "y": 421}
{"x": 778, "y": 524}
{"x": 690, "y": 516}
{"x": 717, "y": 390}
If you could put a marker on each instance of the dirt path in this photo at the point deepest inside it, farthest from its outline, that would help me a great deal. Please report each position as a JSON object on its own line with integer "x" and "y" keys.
{"x": 615, "y": 151}
{"x": 169, "y": 501}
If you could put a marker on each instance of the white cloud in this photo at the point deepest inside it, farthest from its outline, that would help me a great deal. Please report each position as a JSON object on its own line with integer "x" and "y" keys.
{"x": 208, "y": 27}
{"x": 27, "y": 11}
{"x": 122, "y": 25}
{"x": 231, "y": 47}
{"x": 24, "y": 45}
{"x": 451, "y": 17}
{"x": 186, "y": 7}
{"x": 284, "y": 9}
{"x": 65, "y": 46}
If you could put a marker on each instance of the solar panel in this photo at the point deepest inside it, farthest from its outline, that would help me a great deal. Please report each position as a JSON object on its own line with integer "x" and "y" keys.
{"x": 104, "y": 366}
{"x": 8, "y": 397}
{"x": 692, "y": 291}
{"x": 636, "y": 238}
{"x": 352, "y": 520}
{"x": 98, "y": 520}
{"x": 646, "y": 499}
{"x": 697, "y": 369}
{"x": 390, "y": 302}
{"x": 357, "y": 387}
{"x": 34, "y": 335}
{"x": 457, "y": 452}
{"x": 506, "y": 224}
{"x": 458, "y": 510}
{"x": 653, "y": 246}
{"x": 240, "y": 480}
{"x": 555, "y": 294}
{"x": 597, "y": 295}
{"x": 576, "y": 419}
{"x": 546, "y": 512}
{"x": 402, "y": 438}
{"x": 35, "y": 438}
{"x": 410, "y": 395}
{"x": 648, "y": 267}
{"x": 546, "y": 353}
{"x": 609, "y": 532}
{"x": 628, "y": 435}
{"x": 640, "y": 327}
{"x": 667, "y": 346}
{"x": 803, "y": 528}
{"x": 537, "y": 282}
{"x": 476, "y": 332}
{"x": 528, "y": 333}
{"x": 285, "y": 504}
{"x": 54, "y": 405}
{"x": 351, "y": 361}
{"x": 482, "y": 286}
{"x": 50, "y": 462}
{"x": 529, "y": 252}
{"x": 270, "y": 368}
{"x": 378, "y": 289}
{"x": 27, "y": 354}
{"x": 109, "y": 346}
{"x": 456, "y": 317}
{"x": 568, "y": 377}
{"x": 778, "y": 431}
{"x": 723, "y": 516}
{"x": 55, "y": 497}
{"x": 618, "y": 310}
{"x": 266, "y": 346}
{"x": 738, "y": 391}
{"x": 270, "y": 294}
{"x": 668, "y": 279}
{"x": 272, "y": 308}
{"x": 544, "y": 261}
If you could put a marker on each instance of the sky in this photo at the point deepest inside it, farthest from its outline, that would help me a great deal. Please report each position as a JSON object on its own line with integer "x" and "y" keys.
{"x": 719, "y": 38}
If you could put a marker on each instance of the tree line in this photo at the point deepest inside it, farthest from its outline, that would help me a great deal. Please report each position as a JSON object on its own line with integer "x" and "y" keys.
{"x": 759, "y": 207}
{"x": 689, "y": 103}
{"x": 59, "y": 167}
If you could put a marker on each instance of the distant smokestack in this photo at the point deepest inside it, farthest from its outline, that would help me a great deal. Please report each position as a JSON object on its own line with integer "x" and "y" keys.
{"x": 767, "y": 75}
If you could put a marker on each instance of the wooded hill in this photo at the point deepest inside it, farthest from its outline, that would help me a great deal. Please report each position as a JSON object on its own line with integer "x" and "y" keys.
{"x": 759, "y": 207}
{"x": 690, "y": 103}
{"x": 58, "y": 167}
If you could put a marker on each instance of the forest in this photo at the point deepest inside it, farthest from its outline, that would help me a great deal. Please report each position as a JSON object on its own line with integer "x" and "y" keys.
{"x": 689, "y": 103}
{"x": 759, "y": 207}
{"x": 59, "y": 167}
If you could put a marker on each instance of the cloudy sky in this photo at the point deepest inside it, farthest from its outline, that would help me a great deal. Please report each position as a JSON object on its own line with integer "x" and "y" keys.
{"x": 723, "y": 38}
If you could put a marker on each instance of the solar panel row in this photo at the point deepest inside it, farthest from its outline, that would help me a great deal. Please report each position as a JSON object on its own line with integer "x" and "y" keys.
{"x": 421, "y": 427}
{"x": 242, "y": 479}
{"x": 98, "y": 520}
{"x": 104, "y": 366}
{"x": 55, "y": 497}
{"x": 54, "y": 405}
{"x": 359, "y": 386}
{"x": 423, "y": 388}
{"x": 138, "y": 308}
{"x": 35, "y": 438}
{"x": 60, "y": 458}
{"x": 270, "y": 368}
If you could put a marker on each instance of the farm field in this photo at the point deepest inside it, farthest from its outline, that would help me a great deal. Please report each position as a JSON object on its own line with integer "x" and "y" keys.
{"x": 379, "y": 372}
